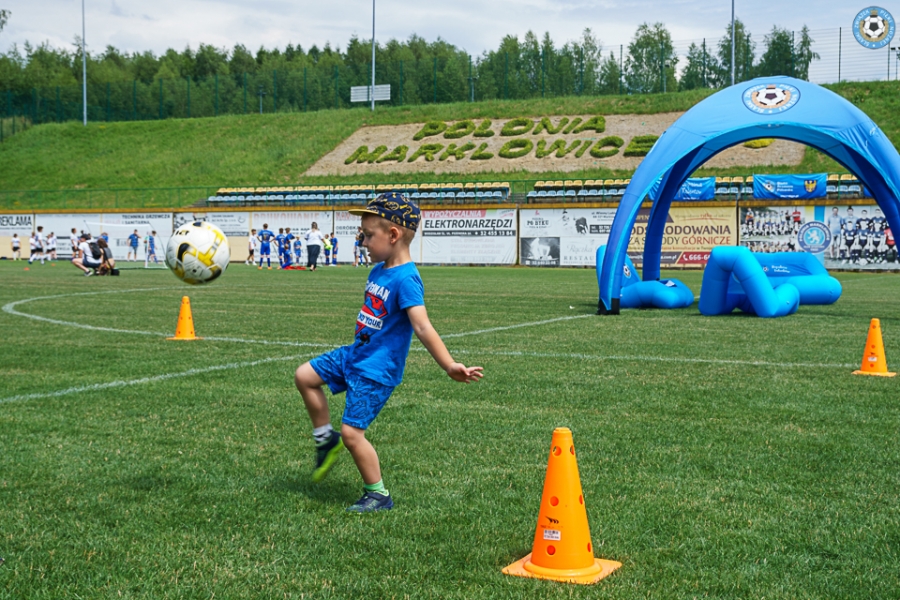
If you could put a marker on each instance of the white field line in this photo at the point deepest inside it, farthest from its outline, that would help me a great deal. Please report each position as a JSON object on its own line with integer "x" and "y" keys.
{"x": 10, "y": 308}
{"x": 128, "y": 382}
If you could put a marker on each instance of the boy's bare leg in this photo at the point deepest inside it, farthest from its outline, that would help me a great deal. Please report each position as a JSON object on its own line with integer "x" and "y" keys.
{"x": 310, "y": 385}
{"x": 363, "y": 453}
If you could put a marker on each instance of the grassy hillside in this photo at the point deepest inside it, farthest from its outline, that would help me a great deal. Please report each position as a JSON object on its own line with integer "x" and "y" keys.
{"x": 276, "y": 149}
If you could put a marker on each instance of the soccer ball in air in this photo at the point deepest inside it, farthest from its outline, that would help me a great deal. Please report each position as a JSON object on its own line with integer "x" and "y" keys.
{"x": 771, "y": 97}
{"x": 198, "y": 252}
{"x": 873, "y": 27}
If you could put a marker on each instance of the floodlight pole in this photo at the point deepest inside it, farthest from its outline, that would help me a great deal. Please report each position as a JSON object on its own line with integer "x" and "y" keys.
{"x": 83, "y": 66}
{"x": 372, "y": 91}
{"x": 732, "y": 42}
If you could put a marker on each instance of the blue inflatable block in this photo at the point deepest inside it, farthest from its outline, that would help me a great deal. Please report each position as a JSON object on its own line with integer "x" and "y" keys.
{"x": 767, "y": 285}
{"x": 666, "y": 293}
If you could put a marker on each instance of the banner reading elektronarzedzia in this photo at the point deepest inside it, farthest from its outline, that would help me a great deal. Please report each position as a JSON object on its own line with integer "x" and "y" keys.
{"x": 478, "y": 236}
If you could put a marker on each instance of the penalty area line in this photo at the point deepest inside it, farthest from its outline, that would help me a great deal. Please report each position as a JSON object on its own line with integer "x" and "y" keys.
{"x": 142, "y": 380}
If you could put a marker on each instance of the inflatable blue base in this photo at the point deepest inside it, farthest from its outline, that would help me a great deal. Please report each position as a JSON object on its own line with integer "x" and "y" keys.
{"x": 665, "y": 293}
{"x": 766, "y": 285}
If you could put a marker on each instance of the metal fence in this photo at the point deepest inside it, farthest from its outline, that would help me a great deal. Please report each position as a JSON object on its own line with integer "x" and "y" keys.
{"x": 455, "y": 79}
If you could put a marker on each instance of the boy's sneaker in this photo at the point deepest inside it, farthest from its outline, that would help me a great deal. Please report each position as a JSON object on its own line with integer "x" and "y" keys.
{"x": 372, "y": 502}
{"x": 326, "y": 455}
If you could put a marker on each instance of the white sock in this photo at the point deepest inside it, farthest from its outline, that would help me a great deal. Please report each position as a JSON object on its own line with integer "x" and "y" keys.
{"x": 322, "y": 434}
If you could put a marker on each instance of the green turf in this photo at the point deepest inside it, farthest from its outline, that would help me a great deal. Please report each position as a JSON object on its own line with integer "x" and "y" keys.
{"x": 727, "y": 457}
{"x": 276, "y": 149}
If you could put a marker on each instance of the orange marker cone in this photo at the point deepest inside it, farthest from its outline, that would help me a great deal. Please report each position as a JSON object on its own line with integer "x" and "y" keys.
{"x": 873, "y": 362}
{"x": 562, "y": 549}
{"x": 184, "y": 330}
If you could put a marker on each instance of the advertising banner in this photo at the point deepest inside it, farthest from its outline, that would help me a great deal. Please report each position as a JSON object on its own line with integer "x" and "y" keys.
{"x": 118, "y": 226}
{"x": 842, "y": 237}
{"x": 235, "y": 226}
{"x": 23, "y": 226}
{"x": 789, "y": 187}
{"x": 690, "y": 235}
{"x": 62, "y": 225}
{"x": 553, "y": 237}
{"x": 694, "y": 189}
{"x": 476, "y": 236}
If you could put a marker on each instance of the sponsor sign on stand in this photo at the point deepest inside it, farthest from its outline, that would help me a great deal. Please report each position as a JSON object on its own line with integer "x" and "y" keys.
{"x": 23, "y": 225}
{"x": 690, "y": 235}
{"x": 120, "y": 225}
{"x": 61, "y": 226}
{"x": 469, "y": 236}
{"x": 563, "y": 236}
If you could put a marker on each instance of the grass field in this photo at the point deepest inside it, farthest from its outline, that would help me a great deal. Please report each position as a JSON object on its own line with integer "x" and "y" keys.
{"x": 728, "y": 457}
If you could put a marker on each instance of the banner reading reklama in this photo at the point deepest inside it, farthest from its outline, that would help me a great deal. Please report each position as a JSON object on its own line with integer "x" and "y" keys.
{"x": 690, "y": 235}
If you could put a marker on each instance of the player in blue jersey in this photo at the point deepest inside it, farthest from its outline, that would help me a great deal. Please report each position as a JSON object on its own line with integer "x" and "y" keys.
{"x": 862, "y": 227}
{"x": 878, "y": 225}
{"x": 150, "y": 240}
{"x": 279, "y": 244}
{"x": 298, "y": 249}
{"x": 134, "y": 240}
{"x": 286, "y": 250}
{"x": 265, "y": 238}
{"x": 334, "y": 249}
{"x": 849, "y": 237}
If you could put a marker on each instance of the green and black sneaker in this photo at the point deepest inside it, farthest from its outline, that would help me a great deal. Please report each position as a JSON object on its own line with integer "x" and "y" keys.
{"x": 326, "y": 455}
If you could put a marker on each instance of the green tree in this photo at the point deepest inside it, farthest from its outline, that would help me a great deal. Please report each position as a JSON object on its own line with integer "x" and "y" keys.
{"x": 786, "y": 55}
{"x": 609, "y": 81}
{"x": 744, "y": 55}
{"x": 702, "y": 69}
{"x": 650, "y": 65}
{"x": 4, "y": 18}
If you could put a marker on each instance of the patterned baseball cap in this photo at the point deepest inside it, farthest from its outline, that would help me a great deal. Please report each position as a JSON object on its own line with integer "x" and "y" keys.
{"x": 394, "y": 207}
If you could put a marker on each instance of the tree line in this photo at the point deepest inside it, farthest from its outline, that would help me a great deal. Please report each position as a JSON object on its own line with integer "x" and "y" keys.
{"x": 44, "y": 81}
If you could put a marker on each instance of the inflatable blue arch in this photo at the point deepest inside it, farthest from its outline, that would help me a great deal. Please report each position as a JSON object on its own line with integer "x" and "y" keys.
{"x": 770, "y": 107}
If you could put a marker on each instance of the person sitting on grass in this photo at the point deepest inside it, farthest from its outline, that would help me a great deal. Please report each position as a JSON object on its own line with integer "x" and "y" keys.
{"x": 85, "y": 259}
{"x": 107, "y": 262}
{"x": 370, "y": 368}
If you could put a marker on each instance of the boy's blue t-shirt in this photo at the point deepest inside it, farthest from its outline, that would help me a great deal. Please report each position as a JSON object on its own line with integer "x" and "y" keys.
{"x": 383, "y": 330}
{"x": 265, "y": 236}
{"x": 133, "y": 240}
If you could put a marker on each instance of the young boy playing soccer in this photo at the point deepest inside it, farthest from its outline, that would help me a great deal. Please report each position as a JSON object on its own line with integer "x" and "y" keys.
{"x": 370, "y": 368}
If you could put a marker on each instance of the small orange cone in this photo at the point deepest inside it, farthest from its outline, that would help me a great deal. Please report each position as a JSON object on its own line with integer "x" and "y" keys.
{"x": 562, "y": 549}
{"x": 873, "y": 362}
{"x": 184, "y": 330}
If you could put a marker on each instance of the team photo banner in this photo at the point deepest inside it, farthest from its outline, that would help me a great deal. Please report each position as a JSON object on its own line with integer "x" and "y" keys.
{"x": 789, "y": 187}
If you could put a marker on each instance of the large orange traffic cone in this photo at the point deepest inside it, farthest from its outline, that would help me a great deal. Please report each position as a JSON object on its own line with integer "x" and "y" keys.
{"x": 184, "y": 330}
{"x": 873, "y": 362}
{"x": 562, "y": 549}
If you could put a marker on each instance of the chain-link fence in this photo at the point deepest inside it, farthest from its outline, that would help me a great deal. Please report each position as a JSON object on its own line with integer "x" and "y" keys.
{"x": 834, "y": 56}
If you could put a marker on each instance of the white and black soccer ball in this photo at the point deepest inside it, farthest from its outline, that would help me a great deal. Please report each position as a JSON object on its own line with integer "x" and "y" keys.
{"x": 873, "y": 27}
{"x": 771, "y": 97}
{"x": 198, "y": 252}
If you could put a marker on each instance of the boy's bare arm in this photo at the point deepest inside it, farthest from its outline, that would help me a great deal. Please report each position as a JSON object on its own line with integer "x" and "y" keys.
{"x": 426, "y": 333}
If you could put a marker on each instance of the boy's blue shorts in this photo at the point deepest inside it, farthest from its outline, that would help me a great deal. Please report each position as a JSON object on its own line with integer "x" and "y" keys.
{"x": 365, "y": 398}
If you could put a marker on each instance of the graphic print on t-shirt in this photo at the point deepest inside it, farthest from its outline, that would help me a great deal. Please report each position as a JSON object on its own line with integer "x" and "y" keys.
{"x": 372, "y": 313}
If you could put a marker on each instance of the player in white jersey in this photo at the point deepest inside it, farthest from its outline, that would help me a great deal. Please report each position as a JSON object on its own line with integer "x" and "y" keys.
{"x": 252, "y": 245}
{"x": 51, "y": 246}
{"x": 834, "y": 221}
{"x": 16, "y": 246}
{"x": 74, "y": 240}
{"x": 37, "y": 246}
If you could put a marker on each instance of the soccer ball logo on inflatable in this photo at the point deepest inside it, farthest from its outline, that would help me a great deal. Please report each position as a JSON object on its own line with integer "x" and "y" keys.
{"x": 771, "y": 97}
{"x": 873, "y": 27}
{"x": 198, "y": 252}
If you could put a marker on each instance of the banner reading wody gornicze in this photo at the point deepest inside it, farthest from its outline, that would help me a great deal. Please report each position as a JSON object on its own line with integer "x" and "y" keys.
{"x": 690, "y": 234}
{"x": 478, "y": 236}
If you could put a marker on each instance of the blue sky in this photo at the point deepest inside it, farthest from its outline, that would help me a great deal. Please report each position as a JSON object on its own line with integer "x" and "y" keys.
{"x": 131, "y": 25}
